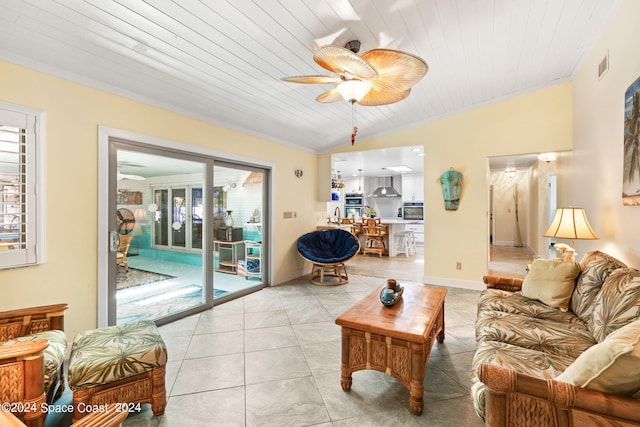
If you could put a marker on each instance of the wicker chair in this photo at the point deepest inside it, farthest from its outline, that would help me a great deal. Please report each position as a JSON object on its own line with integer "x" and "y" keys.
{"x": 124, "y": 241}
{"x": 328, "y": 250}
{"x": 32, "y": 349}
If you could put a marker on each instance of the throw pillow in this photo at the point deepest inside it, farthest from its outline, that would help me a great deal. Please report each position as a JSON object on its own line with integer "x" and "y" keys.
{"x": 613, "y": 366}
{"x": 551, "y": 282}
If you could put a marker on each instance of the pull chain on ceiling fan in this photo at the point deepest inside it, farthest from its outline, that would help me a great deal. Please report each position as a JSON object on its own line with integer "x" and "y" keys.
{"x": 378, "y": 77}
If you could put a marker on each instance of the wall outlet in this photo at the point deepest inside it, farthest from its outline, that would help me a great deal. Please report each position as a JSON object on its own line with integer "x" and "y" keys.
{"x": 458, "y": 265}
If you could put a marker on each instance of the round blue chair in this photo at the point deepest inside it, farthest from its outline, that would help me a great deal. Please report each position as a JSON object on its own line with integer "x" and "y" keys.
{"x": 328, "y": 250}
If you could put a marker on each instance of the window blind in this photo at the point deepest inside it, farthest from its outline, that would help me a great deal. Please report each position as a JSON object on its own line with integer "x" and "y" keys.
{"x": 18, "y": 209}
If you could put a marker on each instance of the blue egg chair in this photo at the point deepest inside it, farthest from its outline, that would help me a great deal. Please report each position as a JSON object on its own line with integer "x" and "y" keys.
{"x": 328, "y": 250}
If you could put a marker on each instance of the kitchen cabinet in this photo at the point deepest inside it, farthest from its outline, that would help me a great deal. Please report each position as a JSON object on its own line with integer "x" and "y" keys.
{"x": 413, "y": 187}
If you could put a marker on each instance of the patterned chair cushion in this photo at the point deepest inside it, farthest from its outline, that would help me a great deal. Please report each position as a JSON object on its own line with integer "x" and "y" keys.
{"x": 101, "y": 356}
{"x": 527, "y": 361}
{"x": 53, "y": 354}
{"x": 617, "y": 304}
{"x": 595, "y": 267}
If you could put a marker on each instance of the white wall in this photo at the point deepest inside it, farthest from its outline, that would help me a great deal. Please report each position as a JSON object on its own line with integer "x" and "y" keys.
{"x": 504, "y": 206}
{"x": 595, "y": 175}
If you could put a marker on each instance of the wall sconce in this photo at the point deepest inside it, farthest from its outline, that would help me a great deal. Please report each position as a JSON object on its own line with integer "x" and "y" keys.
{"x": 298, "y": 173}
{"x": 547, "y": 157}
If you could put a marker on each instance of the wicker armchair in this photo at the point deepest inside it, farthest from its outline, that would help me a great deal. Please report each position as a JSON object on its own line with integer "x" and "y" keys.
{"x": 32, "y": 348}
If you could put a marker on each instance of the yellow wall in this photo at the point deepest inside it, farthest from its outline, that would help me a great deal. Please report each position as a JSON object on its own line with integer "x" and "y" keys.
{"x": 540, "y": 121}
{"x": 74, "y": 113}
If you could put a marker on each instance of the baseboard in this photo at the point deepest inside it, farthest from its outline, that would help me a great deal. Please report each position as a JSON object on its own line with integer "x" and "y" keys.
{"x": 284, "y": 278}
{"x": 454, "y": 283}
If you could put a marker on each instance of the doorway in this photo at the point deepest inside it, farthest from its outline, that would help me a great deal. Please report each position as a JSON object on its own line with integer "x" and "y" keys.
{"x": 169, "y": 234}
{"x": 521, "y": 191}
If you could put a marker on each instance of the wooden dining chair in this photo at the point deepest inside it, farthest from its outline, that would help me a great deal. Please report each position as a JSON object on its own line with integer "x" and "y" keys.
{"x": 374, "y": 237}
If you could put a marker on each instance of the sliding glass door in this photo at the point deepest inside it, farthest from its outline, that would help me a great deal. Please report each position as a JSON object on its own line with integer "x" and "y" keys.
{"x": 186, "y": 232}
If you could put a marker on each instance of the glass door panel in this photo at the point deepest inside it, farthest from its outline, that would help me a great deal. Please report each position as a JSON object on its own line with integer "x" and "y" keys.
{"x": 238, "y": 215}
{"x": 160, "y": 211}
{"x": 196, "y": 218}
{"x": 165, "y": 272}
{"x": 178, "y": 217}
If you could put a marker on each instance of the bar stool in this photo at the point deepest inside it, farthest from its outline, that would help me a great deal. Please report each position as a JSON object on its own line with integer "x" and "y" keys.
{"x": 412, "y": 241}
{"x": 406, "y": 243}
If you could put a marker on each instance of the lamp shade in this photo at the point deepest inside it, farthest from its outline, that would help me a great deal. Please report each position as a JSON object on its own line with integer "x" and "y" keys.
{"x": 571, "y": 223}
{"x": 353, "y": 90}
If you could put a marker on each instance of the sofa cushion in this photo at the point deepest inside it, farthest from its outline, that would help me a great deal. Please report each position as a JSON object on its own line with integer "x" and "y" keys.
{"x": 551, "y": 282}
{"x": 595, "y": 267}
{"x": 328, "y": 246}
{"x": 613, "y": 366}
{"x": 523, "y": 360}
{"x": 516, "y": 303}
{"x": 567, "y": 339}
{"x": 617, "y": 304}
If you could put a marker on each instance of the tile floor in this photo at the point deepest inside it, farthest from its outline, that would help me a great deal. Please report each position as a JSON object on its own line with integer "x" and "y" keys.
{"x": 272, "y": 358}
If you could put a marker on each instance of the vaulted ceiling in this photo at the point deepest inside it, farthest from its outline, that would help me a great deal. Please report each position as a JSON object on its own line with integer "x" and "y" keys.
{"x": 222, "y": 60}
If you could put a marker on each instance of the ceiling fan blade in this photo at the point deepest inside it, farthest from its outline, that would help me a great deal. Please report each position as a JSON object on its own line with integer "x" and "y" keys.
{"x": 330, "y": 96}
{"x": 312, "y": 79}
{"x": 397, "y": 71}
{"x": 376, "y": 97}
{"x": 344, "y": 62}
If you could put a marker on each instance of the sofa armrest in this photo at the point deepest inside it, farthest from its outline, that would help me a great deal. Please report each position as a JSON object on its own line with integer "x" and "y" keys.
{"x": 22, "y": 379}
{"x": 25, "y": 321}
{"x": 513, "y": 399}
{"x": 511, "y": 284}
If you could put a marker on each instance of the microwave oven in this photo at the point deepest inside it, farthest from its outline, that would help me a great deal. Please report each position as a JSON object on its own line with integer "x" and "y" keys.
{"x": 413, "y": 211}
{"x": 353, "y": 200}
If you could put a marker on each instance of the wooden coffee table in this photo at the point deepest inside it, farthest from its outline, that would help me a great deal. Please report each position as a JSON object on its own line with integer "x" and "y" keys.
{"x": 395, "y": 340}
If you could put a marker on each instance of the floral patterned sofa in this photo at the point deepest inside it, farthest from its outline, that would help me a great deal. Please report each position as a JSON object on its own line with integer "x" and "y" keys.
{"x": 560, "y": 347}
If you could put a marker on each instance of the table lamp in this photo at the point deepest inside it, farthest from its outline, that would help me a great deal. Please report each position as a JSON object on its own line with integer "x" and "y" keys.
{"x": 570, "y": 223}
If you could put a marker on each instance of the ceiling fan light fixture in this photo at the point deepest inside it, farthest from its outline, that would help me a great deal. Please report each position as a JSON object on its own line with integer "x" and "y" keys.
{"x": 354, "y": 90}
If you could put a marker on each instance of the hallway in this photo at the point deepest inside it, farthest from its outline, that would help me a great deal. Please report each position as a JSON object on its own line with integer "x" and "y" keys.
{"x": 509, "y": 261}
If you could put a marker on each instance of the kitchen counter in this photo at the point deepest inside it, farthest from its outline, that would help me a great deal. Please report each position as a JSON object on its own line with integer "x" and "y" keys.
{"x": 396, "y": 226}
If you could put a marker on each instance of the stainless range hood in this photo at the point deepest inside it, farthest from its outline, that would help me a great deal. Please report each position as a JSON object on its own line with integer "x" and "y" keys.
{"x": 385, "y": 190}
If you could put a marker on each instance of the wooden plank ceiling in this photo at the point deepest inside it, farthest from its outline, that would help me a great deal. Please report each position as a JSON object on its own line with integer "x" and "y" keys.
{"x": 222, "y": 61}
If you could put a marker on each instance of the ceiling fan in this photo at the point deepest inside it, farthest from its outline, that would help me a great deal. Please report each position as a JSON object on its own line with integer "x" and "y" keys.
{"x": 122, "y": 176}
{"x": 377, "y": 77}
